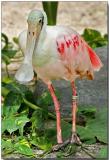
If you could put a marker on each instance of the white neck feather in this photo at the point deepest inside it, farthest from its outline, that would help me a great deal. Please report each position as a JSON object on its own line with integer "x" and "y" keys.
{"x": 43, "y": 31}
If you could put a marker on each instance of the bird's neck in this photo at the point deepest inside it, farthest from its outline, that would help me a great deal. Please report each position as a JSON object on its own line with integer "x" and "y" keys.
{"x": 42, "y": 34}
{"x": 43, "y": 31}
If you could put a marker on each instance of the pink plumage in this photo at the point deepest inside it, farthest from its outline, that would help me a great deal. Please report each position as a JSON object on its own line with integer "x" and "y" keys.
{"x": 74, "y": 48}
{"x": 95, "y": 60}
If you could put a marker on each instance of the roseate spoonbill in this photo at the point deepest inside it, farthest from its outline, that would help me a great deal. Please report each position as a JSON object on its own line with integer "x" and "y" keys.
{"x": 56, "y": 52}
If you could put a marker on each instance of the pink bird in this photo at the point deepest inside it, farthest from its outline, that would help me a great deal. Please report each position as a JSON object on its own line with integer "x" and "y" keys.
{"x": 56, "y": 52}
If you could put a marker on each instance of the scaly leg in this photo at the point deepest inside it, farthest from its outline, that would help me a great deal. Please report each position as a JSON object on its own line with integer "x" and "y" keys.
{"x": 74, "y": 137}
{"x": 58, "y": 115}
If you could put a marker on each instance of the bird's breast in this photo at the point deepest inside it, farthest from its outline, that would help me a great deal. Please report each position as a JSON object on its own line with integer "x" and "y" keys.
{"x": 44, "y": 52}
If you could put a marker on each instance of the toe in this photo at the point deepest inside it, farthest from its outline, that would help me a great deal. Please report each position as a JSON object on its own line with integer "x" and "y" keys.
{"x": 75, "y": 139}
{"x": 57, "y": 147}
{"x": 61, "y": 145}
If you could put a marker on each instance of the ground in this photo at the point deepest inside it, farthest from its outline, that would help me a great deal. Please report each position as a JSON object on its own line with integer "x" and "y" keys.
{"x": 77, "y": 15}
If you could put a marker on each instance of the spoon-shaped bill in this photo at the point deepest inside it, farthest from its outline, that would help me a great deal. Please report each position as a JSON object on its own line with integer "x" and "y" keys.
{"x": 25, "y": 72}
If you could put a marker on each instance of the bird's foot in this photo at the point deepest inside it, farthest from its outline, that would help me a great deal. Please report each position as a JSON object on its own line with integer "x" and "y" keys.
{"x": 61, "y": 145}
{"x": 75, "y": 139}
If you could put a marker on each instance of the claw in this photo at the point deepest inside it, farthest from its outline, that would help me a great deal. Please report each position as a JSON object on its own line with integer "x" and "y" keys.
{"x": 75, "y": 139}
{"x": 61, "y": 145}
{"x": 57, "y": 147}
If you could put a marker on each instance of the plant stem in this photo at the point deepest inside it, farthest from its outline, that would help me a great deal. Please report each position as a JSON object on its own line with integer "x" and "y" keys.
{"x": 51, "y": 10}
{"x": 33, "y": 106}
{"x": 7, "y": 71}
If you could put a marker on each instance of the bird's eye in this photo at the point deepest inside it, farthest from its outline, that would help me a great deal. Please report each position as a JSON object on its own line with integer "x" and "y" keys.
{"x": 40, "y": 21}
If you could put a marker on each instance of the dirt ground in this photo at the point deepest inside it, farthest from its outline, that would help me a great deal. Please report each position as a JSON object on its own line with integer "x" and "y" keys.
{"x": 77, "y": 15}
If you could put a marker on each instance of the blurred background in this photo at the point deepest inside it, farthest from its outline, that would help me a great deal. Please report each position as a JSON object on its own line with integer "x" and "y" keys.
{"x": 77, "y": 15}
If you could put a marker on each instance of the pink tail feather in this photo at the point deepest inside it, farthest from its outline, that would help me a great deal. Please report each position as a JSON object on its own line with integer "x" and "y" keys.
{"x": 95, "y": 60}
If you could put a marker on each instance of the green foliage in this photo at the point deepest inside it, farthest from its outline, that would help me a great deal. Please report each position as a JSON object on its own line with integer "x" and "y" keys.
{"x": 51, "y": 10}
{"x": 20, "y": 145}
{"x": 7, "y": 145}
{"x": 12, "y": 120}
{"x": 8, "y": 50}
{"x": 94, "y": 38}
{"x": 16, "y": 116}
{"x": 41, "y": 142}
{"x": 37, "y": 120}
{"x": 87, "y": 112}
{"x": 95, "y": 128}
{"x": 11, "y": 104}
{"x": 23, "y": 147}
{"x": 45, "y": 98}
{"x": 103, "y": 153}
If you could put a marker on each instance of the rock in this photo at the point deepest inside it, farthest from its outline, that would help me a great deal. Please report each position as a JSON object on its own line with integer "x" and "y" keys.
{"x": 91, "y": 93}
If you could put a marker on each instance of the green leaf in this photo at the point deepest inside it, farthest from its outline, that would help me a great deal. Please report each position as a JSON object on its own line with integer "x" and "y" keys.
{"x": 6, "y": 143}
{"x": 21, "y": 122}
{"x": 95, "y": 128}
{"x": 4, "y": 39}
{"x": 94, "y": 38}
{"x": 13, "y": 99}
{"x": 23, "y": 147}
{"x": 15, "y": 39}
{"x": 6, "y": 59}
{"x": 37, "y": 120}
{"x": 17, "y": 88}
{"x": 42, "y": 143}
{"x": 98, "y": 126}
{"x": 4, "y": 91}
{"x": 9, "y": 53}
{"x": 6, "y": 80}
{"x": 88, "y": 112}
{"x": 9, "y": 110}
{"x": 11, "y": 104}
{"x": 12, "y": 124}
{"x": 9, "y": 125}
{"x": 106, "y": 37}
{"x": 45, "y": 99}
{"x": 103, "y": 153}
{"x": 91, "y": 34}
{"x": 7, "y": 146}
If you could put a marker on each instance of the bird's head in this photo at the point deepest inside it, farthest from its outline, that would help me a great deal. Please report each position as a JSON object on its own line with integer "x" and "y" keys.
{"x": 36, "y": 20}
{"x": 35, "y": 23}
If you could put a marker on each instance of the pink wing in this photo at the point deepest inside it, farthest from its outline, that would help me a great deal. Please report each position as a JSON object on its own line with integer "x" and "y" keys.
{"x": 75, "y": 44}
{"x": 95, "y": 60}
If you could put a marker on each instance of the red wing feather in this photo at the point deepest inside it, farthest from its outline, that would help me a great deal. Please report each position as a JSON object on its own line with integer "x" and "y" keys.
{"x": 64, "y": 42}
{"x": 95, "y": 60}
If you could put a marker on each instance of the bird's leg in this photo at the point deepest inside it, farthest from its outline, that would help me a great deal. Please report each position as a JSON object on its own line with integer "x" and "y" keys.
{"x": 74, "y": 137}
{"x": 58, "y": 115}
